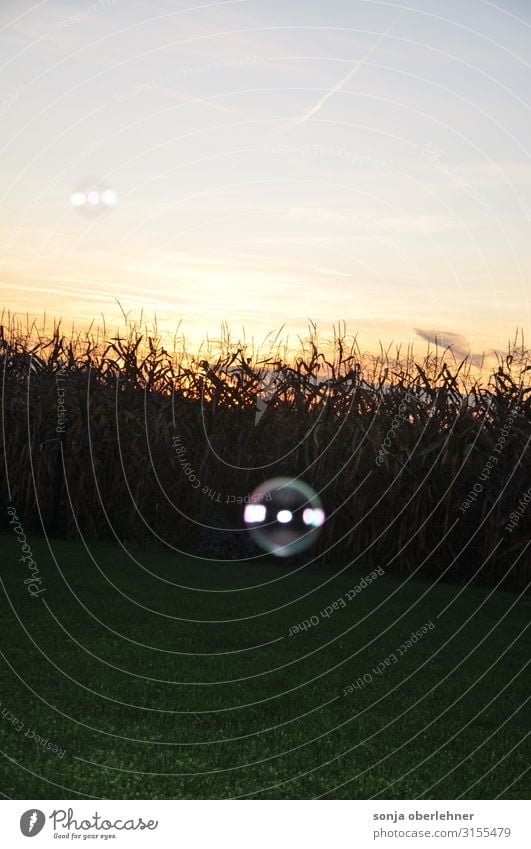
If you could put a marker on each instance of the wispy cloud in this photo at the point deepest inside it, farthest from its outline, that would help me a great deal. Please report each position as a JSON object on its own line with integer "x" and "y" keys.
{"x": 459, "y": 345}
{"x": 313, "y": 110}
{"x": 446, "y": 339}
{"x": 331, "y": 271}
{"x": 367, "y": 222}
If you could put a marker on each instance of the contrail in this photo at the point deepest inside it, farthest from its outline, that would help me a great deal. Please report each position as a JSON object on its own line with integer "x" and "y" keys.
{"x": 190, "y": 99}
{"x": 338, "y": 86}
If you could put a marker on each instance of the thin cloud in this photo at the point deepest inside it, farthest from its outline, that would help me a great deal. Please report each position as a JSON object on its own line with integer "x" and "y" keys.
{"x": 313, "y": 110}
{"x": 445, "y": 339}
{"x": 457, "y": 344}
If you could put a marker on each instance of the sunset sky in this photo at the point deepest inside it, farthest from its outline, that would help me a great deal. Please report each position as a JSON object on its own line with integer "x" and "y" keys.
{"x": 273, "y": 162}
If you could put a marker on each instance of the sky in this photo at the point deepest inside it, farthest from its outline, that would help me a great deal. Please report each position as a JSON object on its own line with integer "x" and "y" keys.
{"x": 270, "y": 163}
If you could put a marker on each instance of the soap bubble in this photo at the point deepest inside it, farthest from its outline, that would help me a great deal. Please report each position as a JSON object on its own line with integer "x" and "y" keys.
{"x": 284, "y": 516}
{"x": 93, "y": 195}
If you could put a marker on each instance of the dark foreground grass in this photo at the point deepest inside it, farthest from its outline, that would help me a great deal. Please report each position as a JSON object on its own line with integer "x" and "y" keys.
{"x": 170, "y": 678}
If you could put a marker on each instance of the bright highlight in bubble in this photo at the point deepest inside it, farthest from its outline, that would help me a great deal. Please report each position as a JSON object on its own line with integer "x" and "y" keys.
{"x": 78, "y": 199}
{"x": 284, "y": 516}
{"x": 109, "y": 198}
{"x": 254, "y": 513}
{"x": 313, "y": 516}
{"x": 288, "y": 518}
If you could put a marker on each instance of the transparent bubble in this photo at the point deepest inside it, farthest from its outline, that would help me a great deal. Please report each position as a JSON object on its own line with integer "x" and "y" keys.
{"x": 93, "y": 196}
{"x": 284, "y": 516}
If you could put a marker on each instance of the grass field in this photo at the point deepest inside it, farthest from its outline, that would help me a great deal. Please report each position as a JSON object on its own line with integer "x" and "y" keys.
{"x": 173, "y": 678}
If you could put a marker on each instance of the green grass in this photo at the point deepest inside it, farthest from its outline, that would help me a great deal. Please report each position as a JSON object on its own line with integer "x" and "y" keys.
{"x": 173, "y": 678}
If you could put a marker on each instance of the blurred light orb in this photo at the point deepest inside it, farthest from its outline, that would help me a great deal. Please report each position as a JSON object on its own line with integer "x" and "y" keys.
{"x": 93, "y": 195}
{"x": 284, "y": 516}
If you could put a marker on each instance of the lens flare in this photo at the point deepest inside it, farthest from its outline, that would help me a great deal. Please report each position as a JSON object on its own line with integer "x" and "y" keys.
{"x": 93, "y": 196}
{"x": 288, "y": 518}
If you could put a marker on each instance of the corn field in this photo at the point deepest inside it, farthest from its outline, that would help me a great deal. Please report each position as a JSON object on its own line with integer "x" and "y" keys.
{"x": 423, "y": 466}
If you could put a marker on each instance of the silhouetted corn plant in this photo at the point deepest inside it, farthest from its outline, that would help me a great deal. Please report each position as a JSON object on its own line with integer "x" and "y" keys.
{"x": 396, "y": 446}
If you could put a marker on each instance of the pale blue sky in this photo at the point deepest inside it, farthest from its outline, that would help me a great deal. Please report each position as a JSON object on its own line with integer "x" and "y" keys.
{"x": 274, "y": 162}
